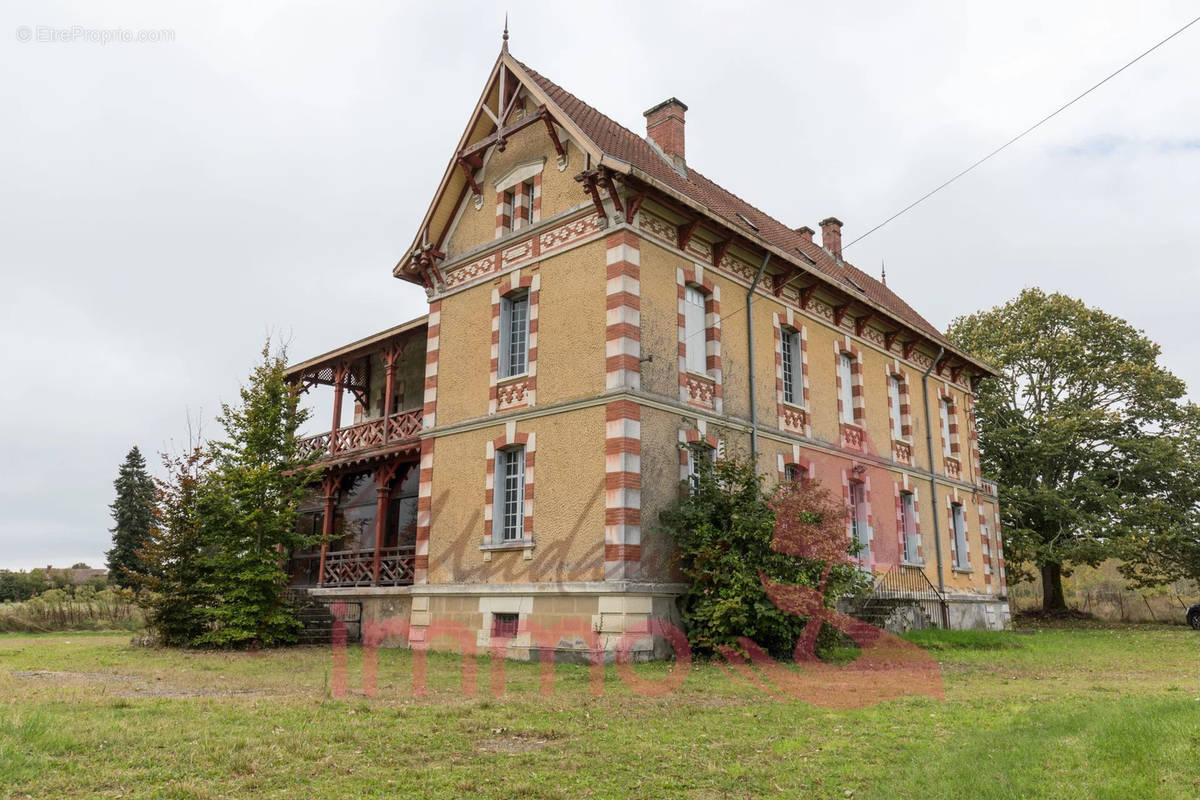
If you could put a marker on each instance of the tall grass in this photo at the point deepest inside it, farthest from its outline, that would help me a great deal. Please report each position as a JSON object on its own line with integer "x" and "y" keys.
{"x": 86, "y": 608}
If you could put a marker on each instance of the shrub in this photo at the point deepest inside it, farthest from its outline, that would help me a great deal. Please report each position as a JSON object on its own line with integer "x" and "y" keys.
{"x": 725, "y": 528}
{"x": 84, "y": 608}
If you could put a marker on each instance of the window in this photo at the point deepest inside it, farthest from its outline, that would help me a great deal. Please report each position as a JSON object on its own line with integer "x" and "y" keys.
{"x": 947, "y": 410}
{"x": 514, "y": 334}
{"x": 510, "y": 203}
{"x": 846, "y": 375}
{"x": 526, "y": 215}
{"x": 509, "y": 515}
{"x": 791, "y": 473}
{"x": 694, "y": 330}
{"x": 961, "y": 561}
{"x": 504, "y": 626}
{"x": 695, "y": 451}
{"x": 793, "y": 377}
{"x": 908, "y": 527}
{"x": 859, "y": 530}
{"x": 894, "y": 394}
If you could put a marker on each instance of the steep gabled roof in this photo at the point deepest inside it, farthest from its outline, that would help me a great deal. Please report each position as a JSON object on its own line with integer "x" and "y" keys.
{"x": 617, "y": 140}
{"x": 610, "y": 144}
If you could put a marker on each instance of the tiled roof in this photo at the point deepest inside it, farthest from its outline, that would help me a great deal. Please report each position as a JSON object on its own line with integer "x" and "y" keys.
{"x": 621, "y": 143}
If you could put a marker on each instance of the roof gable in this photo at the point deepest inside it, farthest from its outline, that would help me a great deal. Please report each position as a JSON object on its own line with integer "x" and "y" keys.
{"x": 610, "y": 145}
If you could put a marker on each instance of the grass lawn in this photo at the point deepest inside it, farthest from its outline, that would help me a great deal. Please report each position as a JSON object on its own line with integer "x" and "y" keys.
{"x": 1060, "y": 713}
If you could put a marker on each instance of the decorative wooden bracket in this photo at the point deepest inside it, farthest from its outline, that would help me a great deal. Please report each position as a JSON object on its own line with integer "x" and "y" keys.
{"x": 544, "y": 113}
{"x": 469, "y": 171}
{"x": 719, "y": 251}
{"x": 909, "y": 346}
{"x": 783, "y": 279}
{"x": 683, "y": 233}
{"x": 955, "y": 372}
{"x": 889, "y": 339}
{"x": 589, "y": 179}
{"x": 839, "y": 313}
{"x": 860, "y": 324}
{"x": 606, "y": 179}
{"x": 331, "y": 484}
{"x": 635, "y": 205}
{"x": 386, "y": 472}
{"x": 806, "y": 296}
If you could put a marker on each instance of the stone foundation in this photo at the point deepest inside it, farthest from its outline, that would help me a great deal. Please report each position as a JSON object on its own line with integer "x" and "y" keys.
{"x": 571, "y": 620}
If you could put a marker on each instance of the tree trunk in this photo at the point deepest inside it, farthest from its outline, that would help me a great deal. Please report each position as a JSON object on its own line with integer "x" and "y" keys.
{"x": 1052, "y": 590}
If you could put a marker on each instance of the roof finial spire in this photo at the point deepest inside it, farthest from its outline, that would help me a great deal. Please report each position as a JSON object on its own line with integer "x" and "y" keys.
{"x": 504, "y": 46}
{"x": 883, "y": 271}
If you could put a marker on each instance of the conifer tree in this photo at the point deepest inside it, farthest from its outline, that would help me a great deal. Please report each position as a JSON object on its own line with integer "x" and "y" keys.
{"x": 257, "y": 485}
{"x": 132, "y": 513}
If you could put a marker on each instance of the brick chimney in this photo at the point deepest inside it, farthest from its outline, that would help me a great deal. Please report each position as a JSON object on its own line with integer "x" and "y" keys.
{"x": 806, "y": 232}
{"x": 664, "y": 127}
{"x": 831, "y": 236}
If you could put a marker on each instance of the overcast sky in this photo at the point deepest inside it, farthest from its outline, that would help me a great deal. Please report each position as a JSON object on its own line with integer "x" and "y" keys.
{"x": 167, "y": 205}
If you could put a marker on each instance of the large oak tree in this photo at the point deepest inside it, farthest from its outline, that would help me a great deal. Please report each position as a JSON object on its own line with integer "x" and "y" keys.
{"x": 1086, "y": 433}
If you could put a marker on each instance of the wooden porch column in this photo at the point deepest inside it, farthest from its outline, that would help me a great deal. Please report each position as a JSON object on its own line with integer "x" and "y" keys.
{"x": 390, "y": 356}
{"x": 330, "y": 487}
{"x": 339, "y": 380}
{"x": 382, "y": 496}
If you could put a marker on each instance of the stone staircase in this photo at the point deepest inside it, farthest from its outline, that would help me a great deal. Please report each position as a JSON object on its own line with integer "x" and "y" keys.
{"x": 318, "y": 620}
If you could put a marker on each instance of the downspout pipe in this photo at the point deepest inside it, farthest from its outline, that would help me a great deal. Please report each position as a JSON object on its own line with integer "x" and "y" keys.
{"x": 937, "y": 527}
{"x": 762, "y": 268}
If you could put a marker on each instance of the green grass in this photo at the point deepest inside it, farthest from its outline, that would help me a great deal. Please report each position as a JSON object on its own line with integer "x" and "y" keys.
{"x": 1060, "y": 713}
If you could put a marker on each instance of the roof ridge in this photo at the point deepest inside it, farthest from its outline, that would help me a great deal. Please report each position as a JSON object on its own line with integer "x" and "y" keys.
{"x": 578, "y": 99}
{"x": 724, "y": 204}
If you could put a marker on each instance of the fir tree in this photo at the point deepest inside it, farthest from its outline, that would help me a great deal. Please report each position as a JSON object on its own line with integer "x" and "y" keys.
{"x": 133, "y": 514}
{"x": 258, "y": 482}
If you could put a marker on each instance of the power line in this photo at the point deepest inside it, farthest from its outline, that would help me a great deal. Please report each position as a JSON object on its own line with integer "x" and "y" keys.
{"x": 1022, "y": 134}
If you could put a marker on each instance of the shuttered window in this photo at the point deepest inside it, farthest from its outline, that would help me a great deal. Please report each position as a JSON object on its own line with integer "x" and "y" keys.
{"x": 846, "y": 373}
{"x": 695, "y": 330}
{"x": 961, "y": 556}
{"x": 894, "y": 394}
{"x": 908, "y": 527}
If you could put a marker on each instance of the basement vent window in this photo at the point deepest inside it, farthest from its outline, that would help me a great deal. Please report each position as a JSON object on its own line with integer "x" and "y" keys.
{"x": 504, "y": 626}
{"x": 742, "y": 217}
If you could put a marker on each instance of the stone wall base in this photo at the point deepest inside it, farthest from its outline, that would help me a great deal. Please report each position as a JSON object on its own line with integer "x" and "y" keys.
{"x": 571, "y": 620}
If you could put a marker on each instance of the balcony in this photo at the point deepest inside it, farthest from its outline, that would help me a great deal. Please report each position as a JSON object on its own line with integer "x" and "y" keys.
{"x": 384, "y": 376}
{"x": 350, "y": 568}
{"x": 401, "y": 428}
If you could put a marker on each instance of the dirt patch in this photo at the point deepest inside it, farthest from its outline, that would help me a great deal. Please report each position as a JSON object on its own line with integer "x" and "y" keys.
{"x": 502, "y": 740}
{"x": 125, "y": 685}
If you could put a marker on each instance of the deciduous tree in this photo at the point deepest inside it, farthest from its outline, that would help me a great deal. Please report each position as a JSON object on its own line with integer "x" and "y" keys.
{"x": 1083, "y": 432}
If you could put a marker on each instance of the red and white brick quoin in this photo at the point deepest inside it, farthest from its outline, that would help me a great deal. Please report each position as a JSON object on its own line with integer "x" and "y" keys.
{"x": 622, "y": 418}
{"x": 428, "y": 420}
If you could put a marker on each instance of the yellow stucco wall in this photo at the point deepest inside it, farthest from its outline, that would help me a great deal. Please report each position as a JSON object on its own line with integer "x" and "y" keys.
{"x": 659, "y": 311}
{"x": 568, "y": 516}
{"x": 572, "y": 324}
{"x": 560, "y": 191}
{"x": 570, "y": 341}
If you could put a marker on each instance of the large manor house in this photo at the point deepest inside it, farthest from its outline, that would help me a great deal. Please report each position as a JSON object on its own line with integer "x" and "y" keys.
{"x": 601, "y": 318}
